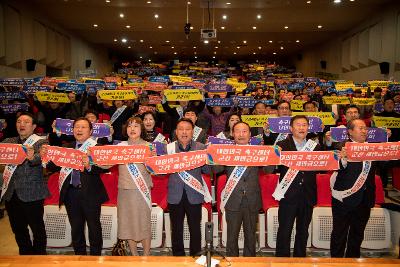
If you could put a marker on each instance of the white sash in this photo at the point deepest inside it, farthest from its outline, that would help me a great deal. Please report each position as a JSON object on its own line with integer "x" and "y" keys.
{"x": 159, "y": 138}
{"x": 10, "y": 169}
{"x": 221, "y": 135}
{"x": 117, "y": 113}
{"x": 179, "y": 109}
{"x": 280, "y": 137}
{"x": 64, "y": 172}
{"x": 196, "y": 133}
{"x": 291, "y": 174}
{"x": 189, "y": 180}
{"x": 340, "y": 195}
{"x": 140, "y": 183}
{"x": 231, "y": 183}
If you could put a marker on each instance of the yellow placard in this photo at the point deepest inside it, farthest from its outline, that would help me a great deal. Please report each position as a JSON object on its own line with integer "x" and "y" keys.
{"x": 117, "y": 94}
{"x": 363, "y": 101}
{"x": 270, "y": 84}
{"x": 160, "y": 108}
{"x": 260, "y": 68}
{"x": 327, "y": 118}
{"x": 379, "y": 83}
{"x": 183, "y": 94}
{"x": 239, "y": 87}
{"x": 180, "y": 79}
{"x": 297, "y": 104}
{"x": 52, "y": 97}
{"x": 340, "y": 100}
{"x": 388, "y": 122}
{"x": 254, "y": 82}
{"x": 344, "y": 86}
{"x": 235, "y": 80}
{"x": 255, "y": 120}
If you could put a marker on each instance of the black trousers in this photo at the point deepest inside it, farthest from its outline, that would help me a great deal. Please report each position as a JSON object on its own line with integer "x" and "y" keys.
{"x": 80, "y": 212}
{"x": 385, "y": 167}
{"x": 348, "y": 230}
{"x": 287, "y": 214}
{"x": 193, "y": 215}
{"x": 234, "y": 221}
{"x": 23, "y": 214}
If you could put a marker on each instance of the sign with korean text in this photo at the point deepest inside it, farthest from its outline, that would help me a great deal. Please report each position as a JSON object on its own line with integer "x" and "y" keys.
{"x": 154, "y": 99}
{"x": 363, "y": 101}
{"x": 247, "y": 155}
{"x": 12, "y": 95}
{"x": 64, "y": 157}
{"x": 310, "y": 160}
{"x": 65, "y": 126}
{"x": 52, "y": 97}
{"x": 219, "y": 102}
{"x": 32, "y": 89}
{"x": 255, "y": 120}
{"x": 373, "y": 151}
{"x": 297, "y": 105}
{"x": 344, "y": 86}
{"x": 78, "y": 88}
{"x": 218, "y": 87}
{"x": 388, "y": 122}
{"x": 179, "y": 79}
{"x": 14, "y": 108}
{"x": 143, "y": 109}
{"x": 183, "y": 95}
{"x": 375, "y": 135}
{"x": 326, "y": 117}
{"x": 117, "y": 94}
{"x": 282, "y": 124}
{"x": 176, "y": 162}
{"x": 339, "y": 100}
{"x": 12, "y": 154}
{"x": 111, "y": 155}
{"x": 12, "y": 82}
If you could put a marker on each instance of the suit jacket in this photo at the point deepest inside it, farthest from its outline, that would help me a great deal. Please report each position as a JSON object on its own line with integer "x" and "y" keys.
{"x": 94, "y": 192}
{"x": 28, "y": 181}
{"x": 176, "y": 185}
{"x": 347, "y": 176}
{"x": 304, "y": 184}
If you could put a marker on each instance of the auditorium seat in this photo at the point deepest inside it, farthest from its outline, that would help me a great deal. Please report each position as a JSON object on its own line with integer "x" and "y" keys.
{"x": 110, "y": 181}
{"x": 396, "y": 178}
{"x": 268, "y": 184}
{"x": 324, "y": 193}
{"x": 159, "y": 191}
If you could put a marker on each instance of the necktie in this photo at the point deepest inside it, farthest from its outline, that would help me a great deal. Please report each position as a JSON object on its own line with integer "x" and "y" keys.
{"x": 75, "y": 175}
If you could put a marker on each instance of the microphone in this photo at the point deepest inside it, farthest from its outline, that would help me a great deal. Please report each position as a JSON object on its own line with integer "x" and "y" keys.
{"x": 209, "y": 241}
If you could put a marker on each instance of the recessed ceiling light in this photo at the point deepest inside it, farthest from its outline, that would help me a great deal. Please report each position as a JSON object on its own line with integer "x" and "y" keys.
{"x": 254, "y": 53}
{"x": 337, "y": 1}
{"x": 150, "y": 47}
{"x": 191, "y": 27}
{"x": 286, "y": 27}
{"x": 259, "y": 47}
{"x": 352, "y": 0}
{"x": 148, "y": 2}
{"x": 195, "y": 52}
{"x": 140, "y": 57}
{"x": 129, "y": 47}
{"x": 308, "y": 2}
{"x": 155, "y": 52}
{"x": 189, "y": 3}
{"x": 222, "y": 27}
{"x": 213, "y": 56}
{"x": 281, "y": 47}
{"x": 297, "y": 41}
{"x": 175, "y": 53}
{"x": 149, "y": 60}
{"x": 258, "y": 16}
{"x": 172, "y": 47}
{"x": 254, "y": 27}
{"x": 216, "y": 47}
{"x": 319, "y": 26}
{"x": 194, "y": 47}
{"x": 121, "y": 15}
{"x": 95, "y": 25}
{"x": 270, "y": 41}
{"x": 195, "y": 56}
{"x": 156, "y": 16}
{"x": 219, "y": 42}
{"x": 215, "y": 52}
{"x": 244, "y": 41}
{"x": 238, "y": 47}
{"x": 128, "y": 26}
{"x": 141, "y": 41}
{"x": 124, "y": 40}
{"x": 167, "y": 41}
{"x": 234, "y": 53}
{"x": 115, "y": 40}
{"x": 228, "y": 3}
{"x": 108, "y": 1}
{"x": 206, "y": 41}
{"x": 224, "y": 16}
{"x": 160, "y": 27}
{"x": 274, "y": 53}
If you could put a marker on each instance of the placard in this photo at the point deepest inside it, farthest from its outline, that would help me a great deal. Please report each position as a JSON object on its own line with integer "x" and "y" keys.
{"x": 339, "y": 100}
{"x": 219, "y": 102}
{"x": 246, "y": 155}
{"x": 32, "y": 89}
{"x": 78, "y": 88}
{"x": 375, "y": 135}
{"x": 179, "y": 79}
{"x": 363, "y": 101}
{"x": 12, "y": 154}
{"x": 388, "y": 122}
{"x": 282, "y": 124}
{"x": 65, "y": 126}
{"x": 176, "y": 162}
{"x": 218, "y": 87}
{"x": 310, "y": 160}
{"x": 143, "y": 109}
{"x": 12, "y": 95}
{"x": 111, "y": 155}
{"x": 52, "y": 97}
{"x": 14, "y": 108}
{"x": 255, "y": 120}
{"x": 65, "y": 157}
{"x": 297, "y": 105}
{"x": 117, "y": 94}
{"x": 183, "y": 95}
{"x": 154, "y": 99}
{"x": 326, "y": 117}
{"x": 373, "y": 151}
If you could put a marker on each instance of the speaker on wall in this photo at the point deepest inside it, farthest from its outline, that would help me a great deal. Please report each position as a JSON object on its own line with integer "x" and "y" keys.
{"x": 30, "y": 64}
{"x": 88, "y": 62}
{"x": 384, "y": 66}
{"x": 323, "y": 64}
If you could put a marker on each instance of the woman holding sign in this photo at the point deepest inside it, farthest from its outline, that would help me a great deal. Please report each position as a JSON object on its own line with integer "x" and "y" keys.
{"x": 134, "y": 202}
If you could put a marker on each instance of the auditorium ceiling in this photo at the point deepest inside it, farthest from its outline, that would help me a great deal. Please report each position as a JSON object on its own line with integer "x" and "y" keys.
{"x": 245, "y": 28}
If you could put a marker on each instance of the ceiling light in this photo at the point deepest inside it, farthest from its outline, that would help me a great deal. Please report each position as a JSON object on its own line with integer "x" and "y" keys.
{"x": 189, "y": 2}
{"x": 194, "y": 47}
{"x": 254, "y": 53}
{"x": 234, "y": 53}
{"x": 274, "y": 53}
{"x": 115, "y": 40}
{"x": 254, "y": 27}
{"x": 213, "y": 56}
{"x": 121, "y": 15}
{"x": 140, "y": 57}
{"x": 175, "y": 53}
{"x": 352, "y": 0}
{"x": 297, "y": 41}
{"x": 191, "y": 27}
{"x": 244, "y": 41}
{"x": 156, "y": 16}
{"x": 259, "y": 47}
{"x": 124, "y": 40}
{"x": 172, "y": 47}
{"x": 167, "y": 41}
{"x": 238, "y": 47}
{"x": 148, "y": 2}
{"x": 128, "y": 26}
{"x": 319, "y": 26}
{"x": 141, "y": 41}
{"x": 219, "y": 42}
{"x": 195, "y": 52}
{"x": 195, "y": 56}
{"x": 108, "y": 1}
{"x": 151, "y": 47}
{"x": 308, "y": 2}
{"x": 129, "y": 47}
{"x": 95, "y": 25}
{"x": 216, "y": 47}
{"x": 270, "y": 41}
{"x": 160, "y": 27}
{"x": 337, "y": 1}
{"x": 222, "y": 27}
{"x": 215, "y": 52}
{"x": 206, "y": 41}
{"x": 228, "y": 3}
{"x": 224, "y": 16}
{"x": 149, "y": 60}
{"x": 155, "y": 52}
{"x": 281, "y": 47}
{"x": 258, "y": 16}
{"x": 286, "y": 27}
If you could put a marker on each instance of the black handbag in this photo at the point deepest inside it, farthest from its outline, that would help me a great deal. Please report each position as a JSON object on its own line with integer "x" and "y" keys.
{"x": 120, "y": 248}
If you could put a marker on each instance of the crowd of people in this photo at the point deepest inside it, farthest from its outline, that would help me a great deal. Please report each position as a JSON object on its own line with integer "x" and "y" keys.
{"x": 182, "y": 127}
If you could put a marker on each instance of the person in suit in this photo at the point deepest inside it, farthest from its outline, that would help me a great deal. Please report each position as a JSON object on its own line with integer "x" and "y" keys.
{"x": 26, "y": 190}
{"x": 351, "y": 212}
{"x": 199, "y": 134}
{"x": 244, "y": 203}
{"x": 296, "y": 203}
{"x": 183, "y": 199}
{"x": 82, "y": 193}
{"x": 269, "y": 138}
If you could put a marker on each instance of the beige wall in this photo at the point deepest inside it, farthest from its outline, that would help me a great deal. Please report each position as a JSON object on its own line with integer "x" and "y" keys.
{"x": 356, "y": 55}
{"x": 25, "y": 34}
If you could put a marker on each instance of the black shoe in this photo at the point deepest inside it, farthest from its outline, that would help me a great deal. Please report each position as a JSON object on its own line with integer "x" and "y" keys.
{"x": 1, "y": 213}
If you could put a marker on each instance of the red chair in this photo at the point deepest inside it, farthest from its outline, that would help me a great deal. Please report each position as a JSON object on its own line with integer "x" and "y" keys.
{"x": 221, "y": 181}
{"x": 324, "y": 194}
{"x": 110, "y": 181}
{"x": 396, "y": 178}
{"x": 379, "y": 192}
{"x": 159, "y": 192}
{"x": 208, "y": 206}
{"x": 52, "y": 184}
{"x": 267, "y": 185}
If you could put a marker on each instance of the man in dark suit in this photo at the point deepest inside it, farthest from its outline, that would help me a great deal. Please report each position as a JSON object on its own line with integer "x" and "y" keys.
{"x": 351, "y": 211}
{"x": 83, "y": 193}
{"x": 26, "y": 190}
{"x": 296, "y": 200}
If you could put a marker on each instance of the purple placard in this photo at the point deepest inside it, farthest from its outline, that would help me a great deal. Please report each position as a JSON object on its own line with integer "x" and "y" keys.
{"x": 12, "y": 95}
{"x": 32, "y": 89}
{"x": 218, "y": 87}
{"x": 64, "y": 126}
{"x": 219, "y": 102}
{"x": 14, "y": 108}
{"x": 160, "y": 148}
{"x": 375, "y": 135}
{"x": 282, "y": 124}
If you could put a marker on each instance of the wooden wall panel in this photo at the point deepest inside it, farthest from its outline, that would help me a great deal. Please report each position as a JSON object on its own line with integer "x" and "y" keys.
{"x": 40, "y": 42}
{"x": 375, "y": 44}
{"x": 59, "y": 50}
{"x": 67, "y": 52}
{"x": 363, "y": 46}
{"x": 346, "y": 54}
{"x": 354, "y": 52}
{"x": 51, "y": 47}
{"x": 13, "y": 32}
{"x": 28, "y": 39}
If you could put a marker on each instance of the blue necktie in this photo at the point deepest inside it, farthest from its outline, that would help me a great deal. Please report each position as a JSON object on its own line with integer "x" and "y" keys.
{"x": 76, "y": 176}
